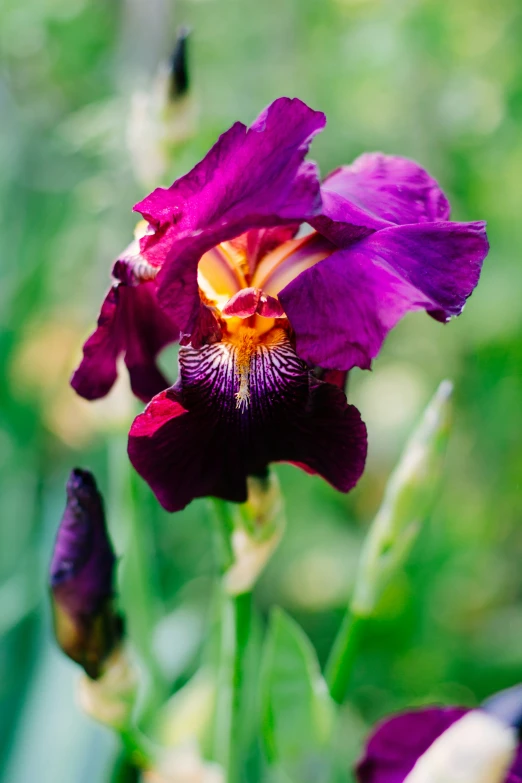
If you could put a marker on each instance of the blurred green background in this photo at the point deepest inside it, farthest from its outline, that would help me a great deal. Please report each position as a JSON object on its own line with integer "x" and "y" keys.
{"x": 435, "y": 80}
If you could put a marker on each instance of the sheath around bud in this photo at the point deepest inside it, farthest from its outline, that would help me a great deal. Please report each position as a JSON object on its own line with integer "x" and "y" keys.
{"x": 260, "y": 526}
{"x": 407, "y": 502}
{"x": 81, "y": 579}
{"x": 179, "y": 74}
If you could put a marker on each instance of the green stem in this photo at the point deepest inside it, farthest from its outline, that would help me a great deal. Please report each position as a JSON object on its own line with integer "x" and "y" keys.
{"x": 144, "y": 595}
{"x": 224, "y": 528}
{"x": 135, "y": 750}
{"x": 342, "y": 657}
{"x": 236, "y": 620}
{"x": 235, "y": 633}
{"x": 138, "y": 585}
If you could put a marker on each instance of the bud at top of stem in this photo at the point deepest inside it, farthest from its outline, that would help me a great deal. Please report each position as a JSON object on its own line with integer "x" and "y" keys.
{"x": 408, "y": 499}
{"x": 82, "y": 578}
{"x": 179, "y": 75}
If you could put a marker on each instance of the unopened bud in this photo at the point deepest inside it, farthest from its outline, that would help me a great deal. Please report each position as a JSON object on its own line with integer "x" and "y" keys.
{"x": 258, "y": 533}
{"x": 86, "y": 625}
{"x": 407, "y": 502}
{"x": 179, "y": 75}
{"x": 162, "y": 117}
{"x": 478, "y": 748}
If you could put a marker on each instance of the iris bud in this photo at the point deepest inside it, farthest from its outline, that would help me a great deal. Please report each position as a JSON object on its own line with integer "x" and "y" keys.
{"x": 408, "y": 498}
{"x": 162, "y": 117}
{"x": 87, "y": 627}
{"x": 179, "y": 76}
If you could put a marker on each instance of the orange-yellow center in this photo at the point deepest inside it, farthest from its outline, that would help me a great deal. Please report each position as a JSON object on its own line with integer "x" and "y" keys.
{"x": 226, "y": 270}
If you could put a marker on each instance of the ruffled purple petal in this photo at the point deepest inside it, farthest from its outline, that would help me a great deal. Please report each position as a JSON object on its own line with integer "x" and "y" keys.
{"x": 131, "y": 323}
{"x": 252, "y": 178}
{"x": 207, "y": 434}
{"x": 375, "y": 192}
{"x": 397, "y": 743}
{"x": 342, "y": 308}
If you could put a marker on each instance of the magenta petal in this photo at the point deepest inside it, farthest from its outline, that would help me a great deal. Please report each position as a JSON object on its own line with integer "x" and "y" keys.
{"x": 131, "y": 323}
{"x": 343, "y": 307}
{"x": 397, "y": 743}
{"x": 201, "y": 438}
{"x": 252, "y": 178}
{"x": 377, "y": 191}
{"x": 97, "y": 371}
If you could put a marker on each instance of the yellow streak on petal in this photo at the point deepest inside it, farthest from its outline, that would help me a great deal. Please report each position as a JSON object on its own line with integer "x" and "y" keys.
{"x": 245, "y": 342}
{"x": 286, "y": 262}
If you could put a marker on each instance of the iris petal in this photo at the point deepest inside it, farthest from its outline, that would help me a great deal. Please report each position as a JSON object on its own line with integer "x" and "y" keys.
{"x": 130, "y": 323}
{"x": 375, "y": 192}
{"x": 252, "y": 178}
{"x": 397, "y": 743}
{"x": 342, "y": 308}
{"x": 225, "y": 420}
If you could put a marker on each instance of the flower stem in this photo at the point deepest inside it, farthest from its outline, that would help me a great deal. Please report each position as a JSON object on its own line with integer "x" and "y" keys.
{"x": 236, "y": 620}
{"x": 235, "y": 633}
{"x": 138, "y": 585}
{"x": 224, "y": 528}
{"x": 342, "y": 657}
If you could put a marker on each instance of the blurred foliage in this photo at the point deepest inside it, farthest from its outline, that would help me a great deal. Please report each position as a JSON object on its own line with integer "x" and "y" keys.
{"x": 435, "y": 80}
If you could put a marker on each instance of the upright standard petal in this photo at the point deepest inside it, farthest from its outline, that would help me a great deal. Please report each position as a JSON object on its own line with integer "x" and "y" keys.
{"x": 377, "y": 191}
{"x": 342, "y": 308}
{"x": 130, "y": 323}
{"x": 226, "y": 420}
{"x": 252, "y": 178}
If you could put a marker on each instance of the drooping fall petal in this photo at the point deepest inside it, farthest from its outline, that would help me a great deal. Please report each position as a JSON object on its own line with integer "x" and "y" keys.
{"x": 132, "y": 324}
{"x": 207, "y": 434}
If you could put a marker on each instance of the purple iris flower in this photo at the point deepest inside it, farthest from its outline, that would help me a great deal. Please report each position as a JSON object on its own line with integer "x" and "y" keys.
{"x": 82, "y": 578}
{"x": 271, "y": 319}
{"x": 397, "y": 744}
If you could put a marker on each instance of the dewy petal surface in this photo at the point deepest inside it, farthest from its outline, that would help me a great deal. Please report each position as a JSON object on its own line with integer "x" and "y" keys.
{"x": 252, "y": 178}
{"x": 130, "y": 323}
{"x": 342, "y": 308}
{"x": 397, "y": 743}
{"x": 377, "y": 191}
{"x": 198, "y": 439}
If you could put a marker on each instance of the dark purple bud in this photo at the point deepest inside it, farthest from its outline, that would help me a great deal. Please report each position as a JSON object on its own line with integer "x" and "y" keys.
{"x": 507, "y": 707}
{"x": 81, "y": 578}
{"x": 179, "y": 77}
